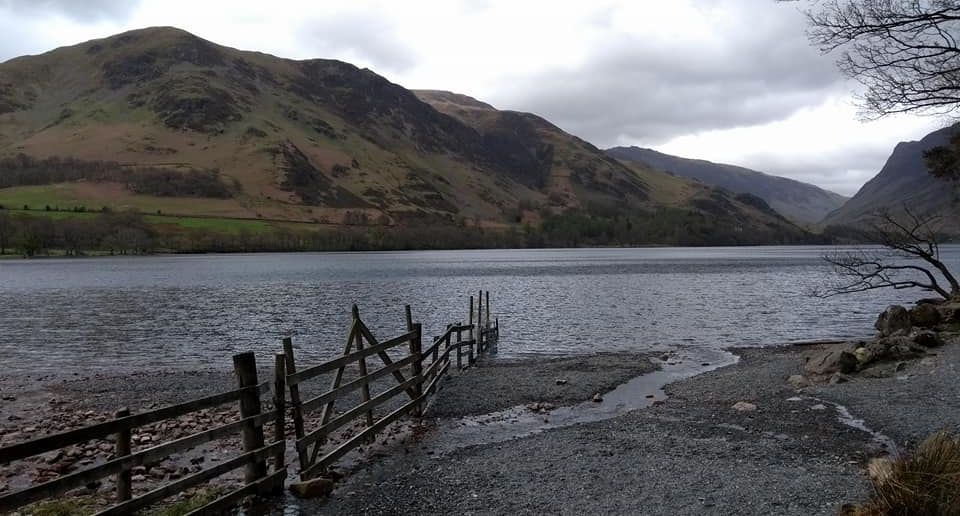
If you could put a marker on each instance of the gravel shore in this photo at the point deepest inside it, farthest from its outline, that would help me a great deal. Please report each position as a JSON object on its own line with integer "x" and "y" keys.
{"x": 692, "y": 454}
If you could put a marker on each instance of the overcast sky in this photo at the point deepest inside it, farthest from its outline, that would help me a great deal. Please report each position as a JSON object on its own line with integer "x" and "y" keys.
{"x": 726, "y": 80}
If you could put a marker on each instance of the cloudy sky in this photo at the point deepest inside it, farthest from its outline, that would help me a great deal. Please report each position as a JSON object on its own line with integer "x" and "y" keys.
{"x": 726, "y": 80}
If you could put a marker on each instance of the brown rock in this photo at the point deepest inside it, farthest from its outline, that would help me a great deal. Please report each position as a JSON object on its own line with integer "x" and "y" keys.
{"x": 894, "y": 320}
{"x": 798, "y": 381}
{"x": 316, "y": 488}
{"x": 927, "y": 338}
{"x": 925, "y": 315}
{"x": 830, "y": 361}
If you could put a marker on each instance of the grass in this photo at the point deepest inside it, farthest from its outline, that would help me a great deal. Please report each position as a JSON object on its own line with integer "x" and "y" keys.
{"x": 79, "y": 506}
{"x": 213, "y": 224}
{"x": 192, "y": 503}
{"x": 926, "y": 482}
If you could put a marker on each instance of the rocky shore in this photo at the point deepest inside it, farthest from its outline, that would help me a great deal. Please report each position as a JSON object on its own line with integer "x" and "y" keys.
{"x": 784, "y": 430}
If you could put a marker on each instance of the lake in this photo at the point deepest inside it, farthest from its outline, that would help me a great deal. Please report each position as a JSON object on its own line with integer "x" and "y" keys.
{"x": 194, "y": 311}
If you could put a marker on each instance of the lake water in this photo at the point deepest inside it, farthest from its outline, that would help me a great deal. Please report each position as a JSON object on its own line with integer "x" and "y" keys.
{"x": 190, "y": 312}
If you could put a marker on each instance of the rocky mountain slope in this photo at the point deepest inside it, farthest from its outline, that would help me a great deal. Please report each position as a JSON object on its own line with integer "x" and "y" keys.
{"x": 798, "y": 201}
{"x": 208, "y": 130}
{"x": 903, "y": 180}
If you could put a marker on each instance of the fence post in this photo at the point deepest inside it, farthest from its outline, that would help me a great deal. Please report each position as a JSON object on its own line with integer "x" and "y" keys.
{"x": 415, "y": 350}
{"x": 480, "y": 319}
{"x": 279, "y": 422}
{"x": 488, "y": 313}
{"x": 291, "y": 368}
{"x": 124, "y": 490}
{"x": 245, "y": 367}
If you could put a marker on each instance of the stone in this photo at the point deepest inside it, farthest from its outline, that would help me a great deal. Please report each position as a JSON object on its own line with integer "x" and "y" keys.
{"x": 798, "y": 381}
{"x": 839, "y": 378}
{"x": 864, "y": 355}
{"x": 830, "y": 361}
{"x": 744, "y": 406}
{"x": 138, "y": 478}
{"x": 927, "y": 338}
{"x": 892, "y": 321}
{"x": 949, "y": 312}
{"x": 316, "y": 488}
{"x": 819, "y": 406}
{"x": 561, "y": 381}
{"x": 597, "y": 398}
{"x": 925, "y": 315}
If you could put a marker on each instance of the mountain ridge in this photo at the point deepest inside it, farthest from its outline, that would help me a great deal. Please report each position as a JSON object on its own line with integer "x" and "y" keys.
{"x": 317, "y": 141}
{"x": 794, "y": 199}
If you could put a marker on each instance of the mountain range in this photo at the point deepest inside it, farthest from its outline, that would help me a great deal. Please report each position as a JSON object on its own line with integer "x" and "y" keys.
{"x": 801, "y": 202}
{"x": 903, "y": 182}
{"x": 161, "y": 121}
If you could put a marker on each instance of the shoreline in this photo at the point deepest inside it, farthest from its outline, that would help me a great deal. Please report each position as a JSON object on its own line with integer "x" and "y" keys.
{"x": 628, "y": 460}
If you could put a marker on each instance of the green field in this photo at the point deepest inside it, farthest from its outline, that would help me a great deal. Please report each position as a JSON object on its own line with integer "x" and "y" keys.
{"x": 220, "y": 225}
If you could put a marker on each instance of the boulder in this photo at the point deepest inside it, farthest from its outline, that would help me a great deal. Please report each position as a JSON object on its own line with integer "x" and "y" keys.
{"x": 316, "y": 488}
{"x": 949, "y": 312}
{"x": 927, "y": 339}
{"x": 744, "y": 406}
{"x": 864, "y": 355}
{"x": 894, "y": 320}
{"x": 798, "y": 381}
{"x": 830, "y": 361}
{"x": 925, "y": 315}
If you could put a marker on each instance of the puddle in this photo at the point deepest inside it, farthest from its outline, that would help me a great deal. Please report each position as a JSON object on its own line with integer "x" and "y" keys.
{"x": 845, "y": 417}
{"x": 640, "y": 392}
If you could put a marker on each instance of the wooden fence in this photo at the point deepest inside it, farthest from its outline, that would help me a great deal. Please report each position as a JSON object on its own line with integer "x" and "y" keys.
{"x": 417, "y": 375}
{"x": 249, "y": 427}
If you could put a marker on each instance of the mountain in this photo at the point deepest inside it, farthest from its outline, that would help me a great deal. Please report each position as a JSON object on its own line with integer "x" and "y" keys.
{"x": 161, "y": 121}
{"x": 903, "y": 180}
{"x": 797, "y": 201}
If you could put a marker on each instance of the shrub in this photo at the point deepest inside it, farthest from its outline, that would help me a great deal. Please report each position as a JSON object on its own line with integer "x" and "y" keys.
{"x": 926, "y": 482}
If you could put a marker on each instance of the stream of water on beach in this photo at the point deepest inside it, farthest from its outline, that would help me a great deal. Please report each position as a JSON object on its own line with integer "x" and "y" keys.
{"x": 125, "y": 314}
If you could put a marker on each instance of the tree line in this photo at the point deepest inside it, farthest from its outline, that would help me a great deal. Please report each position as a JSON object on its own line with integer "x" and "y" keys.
{"x": 23, "y": 170}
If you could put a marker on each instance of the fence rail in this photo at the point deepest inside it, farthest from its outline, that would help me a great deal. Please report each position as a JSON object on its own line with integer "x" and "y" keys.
{"x": 417, "y": 375}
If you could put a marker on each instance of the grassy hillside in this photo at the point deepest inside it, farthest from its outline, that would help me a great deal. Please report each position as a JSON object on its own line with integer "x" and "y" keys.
{"x": 163, "y": 123}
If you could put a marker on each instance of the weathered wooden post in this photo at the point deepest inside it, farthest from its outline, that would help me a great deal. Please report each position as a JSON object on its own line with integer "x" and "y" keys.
{"x": 291, "y": 368}
{"x": 362, "y": 363}
{"x": 245, "y": 367}
{"x": 488, "y": 310}
{"x": 416, "y": 351}
{"x": 480, "y": 319}
{"x": 279, "y": 422}
{"x": 406, "y": 310}
{"x": 122, "y": 449}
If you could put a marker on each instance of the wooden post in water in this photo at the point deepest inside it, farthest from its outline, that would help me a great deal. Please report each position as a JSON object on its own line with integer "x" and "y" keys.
{"x": 488, "y": 310}
{"x": 245, "y": 367}
{"x": 124, "y": 490}
{"x": 279, "y": 422}
{"x": 480, "y": 319}
{"x": 416, "y": 351}
{"x": 290, "y": 368}
{"x": 406, "y": 310}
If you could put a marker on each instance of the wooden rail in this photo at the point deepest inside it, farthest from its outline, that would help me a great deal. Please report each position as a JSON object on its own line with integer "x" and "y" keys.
{"x": 250, "y": 425}
{"x": 417, "y": 374}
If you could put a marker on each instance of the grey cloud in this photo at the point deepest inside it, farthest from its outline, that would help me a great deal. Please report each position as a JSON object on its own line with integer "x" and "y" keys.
{"x": 80, "y": 10}
{"x": 358, "y": 35}
{"x": 635, "y": 89}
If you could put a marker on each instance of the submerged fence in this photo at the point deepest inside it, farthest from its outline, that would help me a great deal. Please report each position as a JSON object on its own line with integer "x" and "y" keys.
{"x": 416, "y": 373}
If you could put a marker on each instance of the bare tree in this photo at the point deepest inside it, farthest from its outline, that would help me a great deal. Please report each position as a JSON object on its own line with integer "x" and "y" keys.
{"x": 904, "y": 51}
{"x": 906, "y": 239}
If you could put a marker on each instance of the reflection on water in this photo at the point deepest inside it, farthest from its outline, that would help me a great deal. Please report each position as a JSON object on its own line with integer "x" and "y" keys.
{"x": 194, "y": 311}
